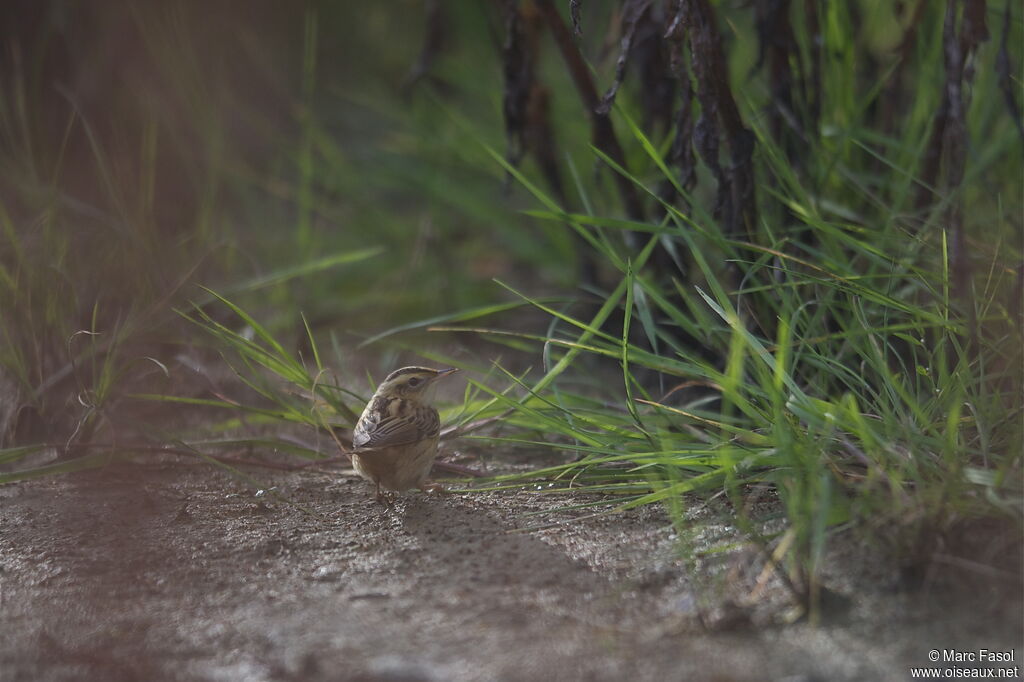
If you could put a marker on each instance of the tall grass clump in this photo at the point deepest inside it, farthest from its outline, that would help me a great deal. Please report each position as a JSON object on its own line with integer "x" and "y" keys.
{"x": 846, "y": 332}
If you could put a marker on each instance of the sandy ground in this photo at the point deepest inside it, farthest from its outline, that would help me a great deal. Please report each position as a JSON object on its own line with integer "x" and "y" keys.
{"x": 180, "y": 572}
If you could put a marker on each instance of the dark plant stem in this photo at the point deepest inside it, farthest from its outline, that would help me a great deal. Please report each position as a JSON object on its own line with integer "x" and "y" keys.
{"x": 736, "y": 195}
{"x": 603, "y": 133}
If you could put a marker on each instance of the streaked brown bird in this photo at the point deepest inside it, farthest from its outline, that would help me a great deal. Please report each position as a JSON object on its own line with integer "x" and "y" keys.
{"x": 394, "y": 443}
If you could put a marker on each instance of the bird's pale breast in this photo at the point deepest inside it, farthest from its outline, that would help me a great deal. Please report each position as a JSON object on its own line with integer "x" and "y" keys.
{"x": 397, "y": 468}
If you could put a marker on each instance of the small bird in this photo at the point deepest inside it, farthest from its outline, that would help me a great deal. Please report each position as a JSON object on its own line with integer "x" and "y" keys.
{"x": 395, "y": 440}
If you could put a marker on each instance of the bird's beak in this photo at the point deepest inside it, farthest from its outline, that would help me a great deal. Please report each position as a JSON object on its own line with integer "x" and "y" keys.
{"x": 445, "y": 372}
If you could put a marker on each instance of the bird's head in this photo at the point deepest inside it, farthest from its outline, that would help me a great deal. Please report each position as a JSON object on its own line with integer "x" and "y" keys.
{"x": 411, "y": 382}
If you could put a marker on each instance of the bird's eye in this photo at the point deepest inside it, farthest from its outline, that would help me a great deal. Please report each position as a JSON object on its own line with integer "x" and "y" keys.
{"x": 414, "y": 382}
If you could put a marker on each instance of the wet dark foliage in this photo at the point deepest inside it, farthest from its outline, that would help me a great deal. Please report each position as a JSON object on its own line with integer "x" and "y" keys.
{"x": 664, "y": 45}
{"x": 682, "y": 78}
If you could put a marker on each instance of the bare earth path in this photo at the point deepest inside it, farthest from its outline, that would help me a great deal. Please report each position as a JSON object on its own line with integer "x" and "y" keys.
{"x": 166, "y": 572}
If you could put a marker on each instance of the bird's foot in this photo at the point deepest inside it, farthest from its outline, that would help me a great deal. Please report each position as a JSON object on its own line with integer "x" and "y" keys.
{"x": 385, "y": 497}
{"x": 431, "y": 487}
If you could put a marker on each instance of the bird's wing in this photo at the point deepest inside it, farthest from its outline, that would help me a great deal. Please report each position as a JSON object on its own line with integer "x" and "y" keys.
{"x": 400, "y": 425}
